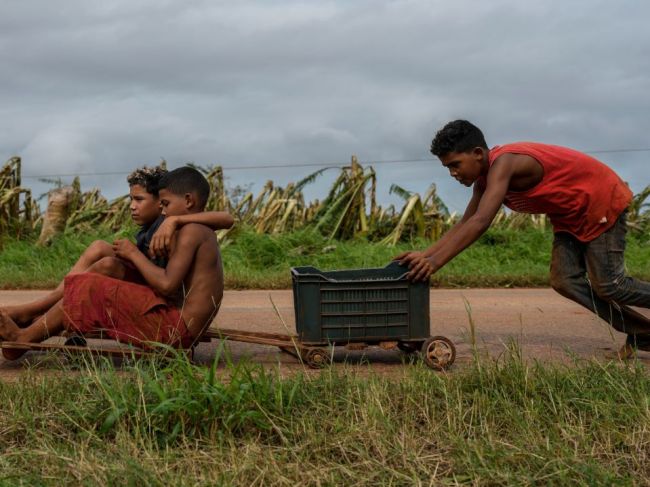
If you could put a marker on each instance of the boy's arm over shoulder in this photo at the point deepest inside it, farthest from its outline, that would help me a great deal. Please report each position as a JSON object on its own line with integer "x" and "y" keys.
{"x": 216, "y": 220}
{"x": 161, "y": 241}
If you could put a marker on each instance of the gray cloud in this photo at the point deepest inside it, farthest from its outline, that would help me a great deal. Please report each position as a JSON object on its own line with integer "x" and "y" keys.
{"x": 100, "y": 88}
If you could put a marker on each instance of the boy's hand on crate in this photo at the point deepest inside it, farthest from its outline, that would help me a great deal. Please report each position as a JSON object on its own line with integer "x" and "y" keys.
{"x": 420, "y": 265}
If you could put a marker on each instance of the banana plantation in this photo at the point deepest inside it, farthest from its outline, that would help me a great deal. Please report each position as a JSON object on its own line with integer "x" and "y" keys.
{"x": 349, "y": 210}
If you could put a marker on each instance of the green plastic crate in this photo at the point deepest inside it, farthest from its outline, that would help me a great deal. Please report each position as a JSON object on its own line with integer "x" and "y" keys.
{"x": 360, "y": 305}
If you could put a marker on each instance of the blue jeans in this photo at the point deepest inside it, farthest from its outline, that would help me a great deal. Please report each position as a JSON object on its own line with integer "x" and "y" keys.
{"x": 593, "y": 274}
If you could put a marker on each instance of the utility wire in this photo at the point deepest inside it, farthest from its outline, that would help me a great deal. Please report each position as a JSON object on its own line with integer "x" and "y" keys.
{"x": 305, "y": 164}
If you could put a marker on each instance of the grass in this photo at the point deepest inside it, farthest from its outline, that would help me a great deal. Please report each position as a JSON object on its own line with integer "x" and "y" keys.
{"x": 499, "y": 258}
{"x": 24, "y": 265}
{"x": 495, "y": 422}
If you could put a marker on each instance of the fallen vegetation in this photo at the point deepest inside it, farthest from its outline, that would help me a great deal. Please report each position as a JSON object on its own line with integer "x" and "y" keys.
{"x": 349, "y": 211}
{"x": 277, "y": 229}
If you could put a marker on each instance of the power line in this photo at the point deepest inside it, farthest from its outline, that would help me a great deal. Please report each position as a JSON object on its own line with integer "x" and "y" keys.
{"x": 304, "y": 164}
{"x": 611, "y": 151}
{"x": 323, "y": 165}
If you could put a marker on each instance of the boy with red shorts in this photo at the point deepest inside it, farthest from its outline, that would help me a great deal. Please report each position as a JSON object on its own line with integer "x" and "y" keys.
{"x": 152, "y": 238}
{"x": 175, "y": 307}
{"x": 585, "y": 201}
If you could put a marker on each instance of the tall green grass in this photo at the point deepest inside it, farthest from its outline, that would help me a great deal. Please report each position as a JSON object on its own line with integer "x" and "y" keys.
{"x": 499, "y": 258}
{"x": 496, "y": 422}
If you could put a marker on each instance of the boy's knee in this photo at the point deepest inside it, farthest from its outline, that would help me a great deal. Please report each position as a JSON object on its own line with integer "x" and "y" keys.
{"x": 108, "y": 266}
{"x": 610, "y": 291}
{"x": 562, "y": 284}
{"x": 98, "y": 250}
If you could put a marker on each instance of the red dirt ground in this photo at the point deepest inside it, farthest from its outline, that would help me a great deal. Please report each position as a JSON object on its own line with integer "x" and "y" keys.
{"x": 547, "y": 326}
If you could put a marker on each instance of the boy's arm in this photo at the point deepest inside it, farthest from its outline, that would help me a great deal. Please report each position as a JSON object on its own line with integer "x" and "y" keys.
{"x": 413, "y": 255}
{"x": 470, "y": 210}
{"x": 168, "y": 280}
{"x": 161, "y": 241}
{"x": 423, "y": 264}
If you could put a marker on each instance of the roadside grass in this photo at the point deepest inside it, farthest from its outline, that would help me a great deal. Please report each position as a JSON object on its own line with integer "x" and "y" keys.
{"x": 494, "y": 422}
{"x": 500, "y": 258}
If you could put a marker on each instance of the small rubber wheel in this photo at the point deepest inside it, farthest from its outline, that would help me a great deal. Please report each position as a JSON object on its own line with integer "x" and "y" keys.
{"x": 76, "y": 341}
{"x": 408, "y": 347}
{"x": 438, "y": 352}
{"x": 316, "y": 358}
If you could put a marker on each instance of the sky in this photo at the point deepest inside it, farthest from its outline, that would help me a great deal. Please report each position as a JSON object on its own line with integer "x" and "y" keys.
{"x": 91, "y": 88}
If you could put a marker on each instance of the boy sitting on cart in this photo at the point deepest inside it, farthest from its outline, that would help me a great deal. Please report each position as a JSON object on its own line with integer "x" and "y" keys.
{"x": 152, "y": 240}
{"x": 175, "y": 307}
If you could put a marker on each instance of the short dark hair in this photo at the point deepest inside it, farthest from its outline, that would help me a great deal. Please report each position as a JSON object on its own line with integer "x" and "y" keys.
{"x": 148, "y": 178}
{"x": 184, "y": 180}
{"x": 457, "y": 136}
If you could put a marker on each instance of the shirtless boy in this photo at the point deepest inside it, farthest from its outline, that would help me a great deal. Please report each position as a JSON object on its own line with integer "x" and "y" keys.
{"x": 142, "y": 314}
{"x": 152, "y": 240}
{"x": 585, "y": 201}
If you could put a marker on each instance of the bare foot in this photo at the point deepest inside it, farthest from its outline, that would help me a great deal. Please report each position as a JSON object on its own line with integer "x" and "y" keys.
{"x": 18, "y": 315}
{"x": 9, "y": 331}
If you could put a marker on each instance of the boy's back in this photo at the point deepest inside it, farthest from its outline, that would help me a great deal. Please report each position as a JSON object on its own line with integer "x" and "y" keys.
{"x": 581, "y": 195}
{"x": 203, "y": 283}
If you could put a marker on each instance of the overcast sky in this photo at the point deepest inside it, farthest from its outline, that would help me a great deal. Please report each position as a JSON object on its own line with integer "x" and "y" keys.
{"x": 90, "y": 86}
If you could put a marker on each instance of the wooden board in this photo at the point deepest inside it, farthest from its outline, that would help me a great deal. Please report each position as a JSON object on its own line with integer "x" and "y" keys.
{"x": 108, "y": 350}
{"x": 261, "y": 338}
{"x": 287, "y": 343}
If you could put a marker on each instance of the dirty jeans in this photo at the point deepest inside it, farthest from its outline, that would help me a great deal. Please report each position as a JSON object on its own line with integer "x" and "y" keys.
{"x": 593, "y": 274}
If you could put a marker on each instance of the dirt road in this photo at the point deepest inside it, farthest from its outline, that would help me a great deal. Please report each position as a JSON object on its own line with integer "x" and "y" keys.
{"x": 547, "y": 326}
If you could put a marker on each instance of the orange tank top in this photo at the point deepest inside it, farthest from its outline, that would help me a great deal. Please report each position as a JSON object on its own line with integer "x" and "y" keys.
{"x": 580, "y": 195}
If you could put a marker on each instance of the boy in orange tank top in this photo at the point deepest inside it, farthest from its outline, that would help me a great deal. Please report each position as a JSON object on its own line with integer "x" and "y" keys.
{"x": 585, "y": 200}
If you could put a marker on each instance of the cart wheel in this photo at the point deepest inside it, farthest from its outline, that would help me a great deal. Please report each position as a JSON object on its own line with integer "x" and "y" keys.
{"x": 438, "y": 352}
{"x": 316, "y": 358}
{"x": 408, "y": 347}
{"x": 76, "y": 340}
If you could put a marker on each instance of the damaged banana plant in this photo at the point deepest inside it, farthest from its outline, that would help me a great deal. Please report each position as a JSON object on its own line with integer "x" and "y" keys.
{"x": 18, "y": 212}
{"x": 349, "y": 210}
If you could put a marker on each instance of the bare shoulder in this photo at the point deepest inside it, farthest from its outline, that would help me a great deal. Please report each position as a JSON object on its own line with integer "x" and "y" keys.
{"x": 194, "y": 237}
{"x": 195, "y": 231}
{"x": 204, "y": 242}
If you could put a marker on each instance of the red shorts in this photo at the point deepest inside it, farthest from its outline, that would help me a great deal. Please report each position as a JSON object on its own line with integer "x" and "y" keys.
{"x": 124, "y": 311}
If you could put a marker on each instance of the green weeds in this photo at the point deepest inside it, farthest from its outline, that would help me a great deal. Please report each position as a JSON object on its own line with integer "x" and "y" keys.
{"x": 500, "y": 258}
{"x": 174, "y": 399}
{"x": 496, "y": 422}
